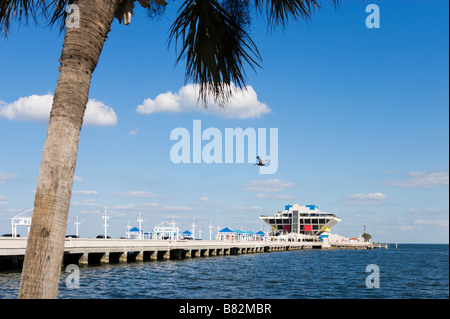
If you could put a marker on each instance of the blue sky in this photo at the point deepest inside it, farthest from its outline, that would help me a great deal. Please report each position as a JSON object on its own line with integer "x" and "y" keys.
{"x": 362, "y": 119}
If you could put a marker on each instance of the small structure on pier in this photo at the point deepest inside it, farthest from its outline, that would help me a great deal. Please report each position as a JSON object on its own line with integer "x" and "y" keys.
{"x": 262, "y": 236}
{"x": 249, "y": 235}
{"x": 238, "y": 234}
{"x": 187, "y": 235}
{"x": 133, "y": 233}
{"x": 226, "y": 234}
{"x": 166, "y": 230}
{"x": 20, "y": 220}
{"x": 136, "y": 233}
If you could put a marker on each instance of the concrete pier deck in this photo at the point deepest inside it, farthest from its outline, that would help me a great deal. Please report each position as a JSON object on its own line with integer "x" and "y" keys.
{"x": 83, "y": 251}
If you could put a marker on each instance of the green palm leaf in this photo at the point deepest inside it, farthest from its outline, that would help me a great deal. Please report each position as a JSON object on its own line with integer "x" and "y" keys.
{"x": 215, "y": 47}
{"x": 53, "y": 11}
{"x": 279, "y": 12}
{"x": 213, "y": 38}
{"x": 10, "y": 10}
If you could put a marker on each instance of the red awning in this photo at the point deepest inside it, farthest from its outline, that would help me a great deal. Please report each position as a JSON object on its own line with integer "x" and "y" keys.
{"x": 308, "y": 228}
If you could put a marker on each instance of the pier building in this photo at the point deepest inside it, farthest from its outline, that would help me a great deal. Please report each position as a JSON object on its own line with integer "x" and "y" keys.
{"x": 301, "y": 220}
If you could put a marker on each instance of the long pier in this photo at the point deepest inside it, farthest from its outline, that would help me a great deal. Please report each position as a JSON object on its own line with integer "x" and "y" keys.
{"x": 84, "y": 251}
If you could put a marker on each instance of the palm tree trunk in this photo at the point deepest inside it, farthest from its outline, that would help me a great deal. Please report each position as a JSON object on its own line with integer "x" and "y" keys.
{"x": 45, "y": 245}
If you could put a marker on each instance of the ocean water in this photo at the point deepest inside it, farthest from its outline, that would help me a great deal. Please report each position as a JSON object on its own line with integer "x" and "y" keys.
{"x": 412, "y": 271}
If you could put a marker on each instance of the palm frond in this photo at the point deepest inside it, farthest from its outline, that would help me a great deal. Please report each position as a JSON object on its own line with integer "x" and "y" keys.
{"x": 18, "y": 9}
{"x": 239, "y": 11}
{"x": 52, "y": 11}
{"x": 215, "y": 47}
{"x": 155, "y": 9}
{"x": 279, "y": 12}
{"x": 55, "y": 13}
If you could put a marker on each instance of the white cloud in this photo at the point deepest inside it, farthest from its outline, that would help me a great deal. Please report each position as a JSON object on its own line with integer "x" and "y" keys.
{"x": 375, "y": 196}
{"x": 133, "y": 132}
{"x": 99, "y": 114}
{"x": 371, "y": 199}
{"x": 248, "y": 209}
{"x": 4, "y": 176}
{"x": 77, "y": 179}
{"x": 393, "y": 171}
{"x": 85, "y": 193}
{"x": 267, "y": 186}
{"x": 30, "y": 108}
{"x": 3, "y": 201}
{"x": 207, "y": 201}
{"x": 432, "y": 223}
{"x": 138, "y": 194}
{"x": 274, "y": 197}
{"x": 37, "y": 108}
{"x": 155, "y": 207}
{"x": 421, "y": 180}
{"x": 428, "y": 211}
{"x": 244, "y": 103}
{"x": 86, "y": 203}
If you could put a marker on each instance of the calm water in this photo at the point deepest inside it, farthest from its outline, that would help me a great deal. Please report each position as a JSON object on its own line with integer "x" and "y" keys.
{"x": 411, "y": 271}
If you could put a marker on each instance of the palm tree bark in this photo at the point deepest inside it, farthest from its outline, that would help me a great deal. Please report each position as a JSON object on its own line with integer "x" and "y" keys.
{"x": 45, "y": 245}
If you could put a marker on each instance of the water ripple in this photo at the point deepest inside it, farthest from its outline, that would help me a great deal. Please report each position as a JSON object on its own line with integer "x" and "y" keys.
{"x": 412, "y": 271}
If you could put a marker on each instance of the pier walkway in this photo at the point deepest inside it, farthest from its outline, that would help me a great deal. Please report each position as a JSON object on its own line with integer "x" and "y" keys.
{"x": 83, "y": 251}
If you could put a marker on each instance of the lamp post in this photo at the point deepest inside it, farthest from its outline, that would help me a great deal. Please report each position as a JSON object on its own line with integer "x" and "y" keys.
{"x": 210, "y": 230}
{"x": 193, "y": 228}
{"x": 77, "y": 223}
{"x": 106, "y": 216}
{"x": 140, "y": 221}
{"x": 173, "y": 230}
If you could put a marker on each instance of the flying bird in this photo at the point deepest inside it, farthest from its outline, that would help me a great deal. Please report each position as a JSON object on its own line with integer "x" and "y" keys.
{"x": 261, "y": 162}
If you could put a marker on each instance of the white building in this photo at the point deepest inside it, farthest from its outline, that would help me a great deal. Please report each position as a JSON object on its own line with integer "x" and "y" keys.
{"x": 301, "y": 220}
{"x": 136, "y": 233}
{"x": 20, "y": 220}
{"x": 166, "y": 230}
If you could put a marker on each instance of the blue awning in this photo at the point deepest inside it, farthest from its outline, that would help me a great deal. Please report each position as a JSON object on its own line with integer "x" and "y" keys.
{"x": 226, "y": 230}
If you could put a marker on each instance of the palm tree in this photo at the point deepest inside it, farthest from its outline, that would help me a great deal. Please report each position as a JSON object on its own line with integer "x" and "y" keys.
{"x": 210, "y": 36}
{"x": 367, "y": 237}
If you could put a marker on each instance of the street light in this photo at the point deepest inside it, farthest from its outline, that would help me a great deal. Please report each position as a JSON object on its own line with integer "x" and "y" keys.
{"x": 106, "y": 217}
